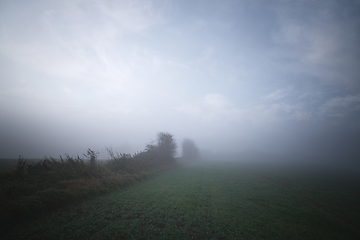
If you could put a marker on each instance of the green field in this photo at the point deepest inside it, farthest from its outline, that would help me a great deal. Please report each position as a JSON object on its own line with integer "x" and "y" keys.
{"x": 214, "y": 200}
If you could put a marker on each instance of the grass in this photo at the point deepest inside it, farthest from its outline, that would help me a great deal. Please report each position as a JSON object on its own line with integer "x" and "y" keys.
{"x": 39, "y": 187}
{"x": 213, "y": 200}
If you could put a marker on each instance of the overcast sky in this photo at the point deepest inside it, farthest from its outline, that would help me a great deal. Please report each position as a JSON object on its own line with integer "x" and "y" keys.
{"x": 274, "y": 76}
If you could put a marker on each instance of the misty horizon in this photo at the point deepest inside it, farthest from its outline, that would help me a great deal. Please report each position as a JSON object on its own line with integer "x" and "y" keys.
{"x": 265, "y": 78}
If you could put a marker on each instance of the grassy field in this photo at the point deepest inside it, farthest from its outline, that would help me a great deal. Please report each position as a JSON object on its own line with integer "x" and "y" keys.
{"x": 214, "y": 200}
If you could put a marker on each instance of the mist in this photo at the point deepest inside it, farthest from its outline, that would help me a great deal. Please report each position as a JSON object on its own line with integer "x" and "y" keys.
{"x": 245, "y": 80}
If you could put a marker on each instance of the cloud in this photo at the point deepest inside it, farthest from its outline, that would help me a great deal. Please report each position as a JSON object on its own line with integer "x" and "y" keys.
{"x": 341, "y": 107}
{"x": 277, "y": 95}
{"x": 286, "y": 104}
{"x": 350, "y": 100}
{"x": 217, "y": 110}
{"x": 215, "y": 102}
{"x": 317, "y": 38}
{"x": 301, "y": 115}
{"x": 213, "y": 109}
{"x": 278, "y": 113}
{"x": 85, "y": 54}
{"x": 76, "y": 41}
{"x": 135, "y": 16}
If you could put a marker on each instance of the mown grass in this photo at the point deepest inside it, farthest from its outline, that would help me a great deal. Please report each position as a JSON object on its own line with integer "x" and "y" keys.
{"x": 212, "y": 200}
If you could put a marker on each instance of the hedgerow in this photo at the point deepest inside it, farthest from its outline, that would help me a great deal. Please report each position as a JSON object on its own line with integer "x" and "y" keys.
{"x": 36, "y": 188}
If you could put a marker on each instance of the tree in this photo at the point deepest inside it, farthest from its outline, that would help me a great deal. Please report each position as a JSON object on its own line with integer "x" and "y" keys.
{"x": 166, "y": 146}
{"x": 164, "y": 149}
{"x": 190, "y": 150}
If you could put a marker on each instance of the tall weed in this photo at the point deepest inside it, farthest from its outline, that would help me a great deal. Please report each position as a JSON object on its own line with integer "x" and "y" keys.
{"x": 36, "y": 188}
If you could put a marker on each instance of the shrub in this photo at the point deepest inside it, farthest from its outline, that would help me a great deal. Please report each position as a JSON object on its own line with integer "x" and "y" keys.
{"x": 20, "y": 167}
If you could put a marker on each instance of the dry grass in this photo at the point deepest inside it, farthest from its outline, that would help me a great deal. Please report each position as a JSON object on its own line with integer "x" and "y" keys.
{"x": 38, "y": 188}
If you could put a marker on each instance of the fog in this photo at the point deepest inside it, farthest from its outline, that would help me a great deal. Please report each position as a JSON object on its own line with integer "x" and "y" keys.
{"x": 245, "y": 78}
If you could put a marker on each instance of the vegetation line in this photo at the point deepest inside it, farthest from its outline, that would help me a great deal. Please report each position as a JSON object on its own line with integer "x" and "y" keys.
{"x": 32, "y": 189}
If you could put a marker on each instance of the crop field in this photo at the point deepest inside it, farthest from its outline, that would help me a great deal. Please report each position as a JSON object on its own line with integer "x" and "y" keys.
{"x": 214, "y": 200}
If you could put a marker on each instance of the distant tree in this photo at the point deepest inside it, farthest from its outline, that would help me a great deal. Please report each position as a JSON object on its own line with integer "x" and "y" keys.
{"x": 190, "y": 150}
{"x": 164, "y": 149}
{"x": 166, "y": 146}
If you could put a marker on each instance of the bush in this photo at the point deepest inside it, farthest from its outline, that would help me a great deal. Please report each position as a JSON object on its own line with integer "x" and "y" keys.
{"x": 165, "y": 148}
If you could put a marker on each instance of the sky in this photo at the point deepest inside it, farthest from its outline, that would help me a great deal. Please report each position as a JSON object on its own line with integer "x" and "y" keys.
{"x": 274, "y": 76}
